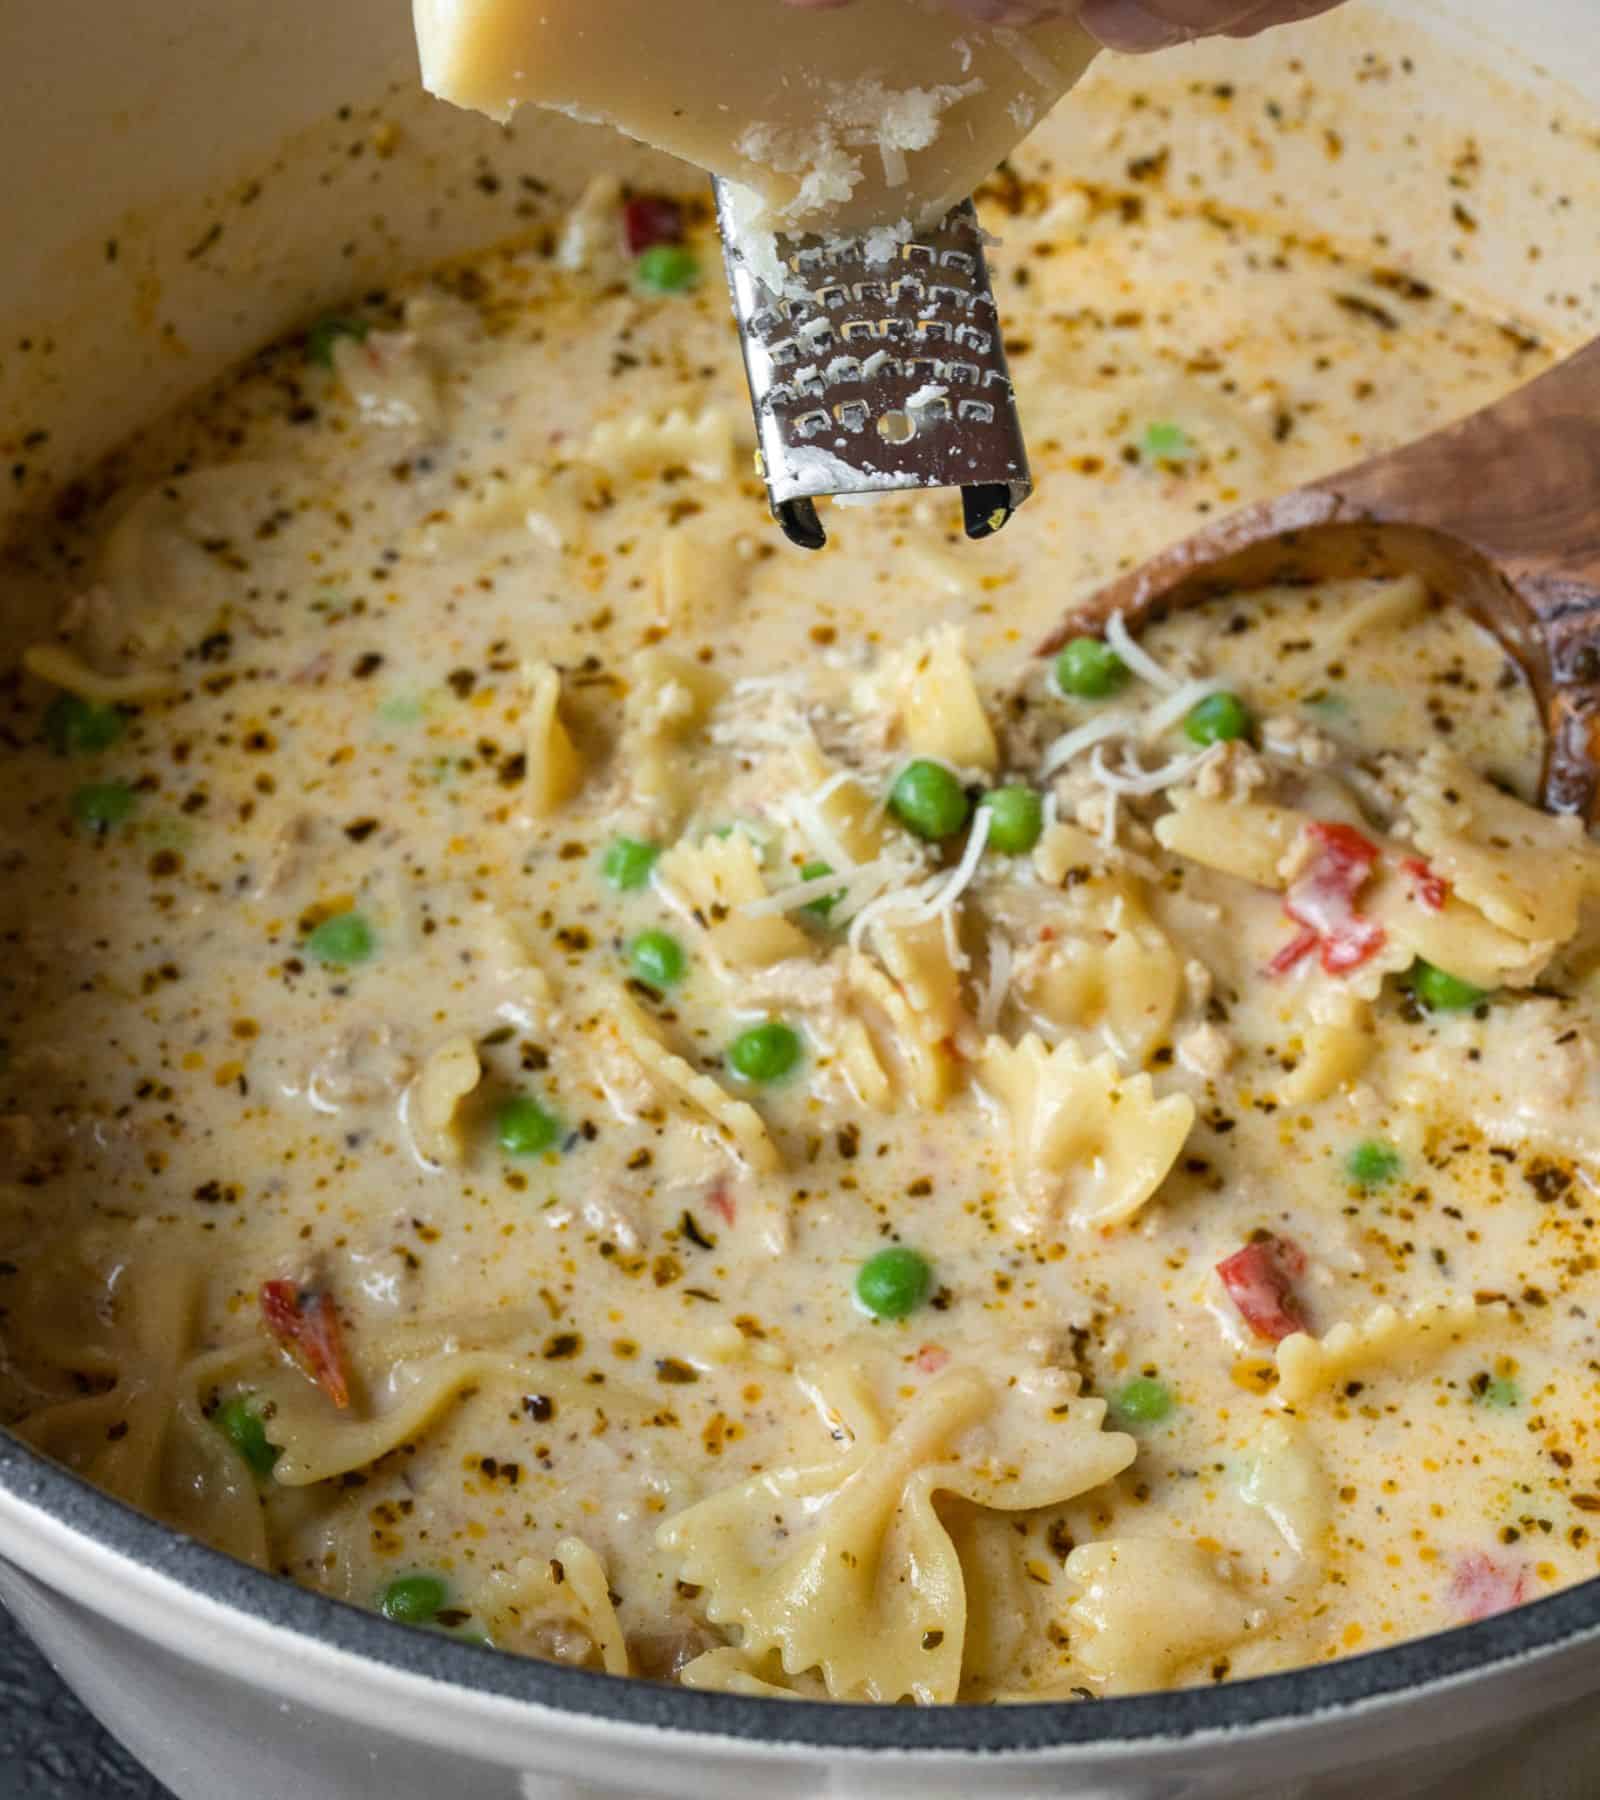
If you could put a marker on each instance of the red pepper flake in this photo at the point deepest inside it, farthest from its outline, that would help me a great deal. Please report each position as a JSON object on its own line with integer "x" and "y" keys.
{"x": 305, "y": 1322}
{"x": 931, "y": 1358}
{"x": 648, "y": 220}
{"x": 1427, "y": 889}
{"x": 1260, "y": 1282}
{"x": 1322, "y": 899}
{"x": 721, "y": 1202}
{"x": 1481, "y": 1586}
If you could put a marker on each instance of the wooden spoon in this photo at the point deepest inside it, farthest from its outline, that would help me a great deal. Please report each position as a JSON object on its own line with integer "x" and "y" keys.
{"x": 1500, "y": 513}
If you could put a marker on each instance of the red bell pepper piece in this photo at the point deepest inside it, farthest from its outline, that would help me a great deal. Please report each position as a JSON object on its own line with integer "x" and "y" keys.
{"x": 1481, "y": 1586}
{"x": 1322, "y": 899}
{"x": 1427, "y": 889}
{"x": 1260, "y": 1282}
{"x": 648, "y": 220}
{"x": 305, "y": 1322}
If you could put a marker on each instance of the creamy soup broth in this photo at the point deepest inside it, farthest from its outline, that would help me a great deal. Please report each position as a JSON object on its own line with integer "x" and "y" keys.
{"x": 417, "y": 741}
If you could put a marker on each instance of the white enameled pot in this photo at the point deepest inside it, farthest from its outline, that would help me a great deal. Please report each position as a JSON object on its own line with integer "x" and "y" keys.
{"x": 184, "y": 179}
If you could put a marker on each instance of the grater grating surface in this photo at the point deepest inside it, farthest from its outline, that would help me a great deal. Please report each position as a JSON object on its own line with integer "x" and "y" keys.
{"x": 873, "y": 372}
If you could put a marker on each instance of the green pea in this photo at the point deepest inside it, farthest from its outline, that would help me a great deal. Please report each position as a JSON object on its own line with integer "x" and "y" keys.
{"x": 824, "y": 903}
{"x": 1016, "y": 819}
{"x": 1218, "y": 719}
{"x": 1090, "y": 668}
{"x": 627, "y": 863}
{"x": 927, "y": 799}
{"x": 667, "y": 269}
{"x": 322, "y": 337}
{"x": 345, "y": 938}
{"x": 1440, "y": 992}
{"x": 1142, "y": 1402}
{"x": 522, "y": 1127}
{"x": 1500, "y": 1394}
{"x": 657, "y": 958}
{"x": 1372, "y": 1163}
{"x": 241, "y": 1425}
{"x": 765, "y": 1052}
{"x": 893, "y": 1283}
{"x": 75, "y": 727}
{"x": 1165, "y": 442}
{"x": 103, "y": 804}
{"x": 413, "y": 1599}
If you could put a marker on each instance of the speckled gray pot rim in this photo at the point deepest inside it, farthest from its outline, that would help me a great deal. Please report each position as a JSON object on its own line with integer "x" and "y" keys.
{"x": 1280, "y": 1701}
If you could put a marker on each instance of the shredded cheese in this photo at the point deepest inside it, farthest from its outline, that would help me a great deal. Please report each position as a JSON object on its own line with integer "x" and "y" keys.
{"x": 1094, "y": 731}
{"x": 1141, "y": 781}
{"x": 1142, "y": 663}
{"x": 938, "y": 894}
{"x": 818, "y": 887}
{"x": 996, "y": 985}
{"x": 1179, "y": 704}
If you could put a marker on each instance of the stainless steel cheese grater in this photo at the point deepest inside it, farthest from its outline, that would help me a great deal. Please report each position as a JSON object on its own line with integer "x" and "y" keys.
{"x": 879, "y": 366}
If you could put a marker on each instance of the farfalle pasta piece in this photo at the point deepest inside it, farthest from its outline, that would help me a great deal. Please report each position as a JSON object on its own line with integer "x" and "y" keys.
{"x": 667, "y": 702}
{"x": 728, "y": 1671}
{"x": 1524, "y": 870}
{"x": 1246, "y": 838}
{"x": 1266, "y": 844}
{"x": 1285, "y": 1478}
{"x": 700, "y": 576}
{"x": 701, "y": 442}
{"x": 839, "y": 817}
{"x": 1337, "y": 1043}
{"x": 711, "y": 883}
{"x": 558, "y": 1607}
{"x": 130, "y": 1331}
{"x": 1125, "y": 988}
{"x": 554, "y": 766}
{"x": 1064, "y": 850}
{"x": 917, "y": 957}
{"x": 1386, "y": 1342}
{"x": 898, "y": 1036}
{"x": 941, "y": 714}
{"x": 392, "y": 378}
{"x": 431, "y": 1105}
{"x": 733, "y": 1125}
{"x": 65, "y": 668}
{"x": 846, "y": 1566}
{"x": 1086, "y": 1143}
{"x": 1149, "y": 1607}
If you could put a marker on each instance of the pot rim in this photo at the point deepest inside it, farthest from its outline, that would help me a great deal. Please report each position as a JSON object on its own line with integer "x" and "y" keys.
{"x": 1256, "y": 1704}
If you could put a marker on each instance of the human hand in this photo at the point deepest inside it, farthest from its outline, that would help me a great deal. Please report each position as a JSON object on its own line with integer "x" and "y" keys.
{"x": 1136, "y": 24}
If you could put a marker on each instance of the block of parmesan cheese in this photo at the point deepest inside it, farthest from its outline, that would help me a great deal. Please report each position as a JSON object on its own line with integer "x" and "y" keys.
{"x": 837, "y": 118}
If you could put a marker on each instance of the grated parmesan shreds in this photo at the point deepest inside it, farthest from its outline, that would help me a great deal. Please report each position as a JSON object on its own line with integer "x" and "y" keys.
{"x": 996, "y": 985}
{"x": 1141, "y": 781}
{"x": 1142, "y": 663}
{"x": 1108, "y": 819}
{"x": 858, "y": 887}
{"x": 938, "y": 894}
{"x": 1179, "y": 704}
{"x": 1093, "y": 731}
{"x": 814, "y": 822}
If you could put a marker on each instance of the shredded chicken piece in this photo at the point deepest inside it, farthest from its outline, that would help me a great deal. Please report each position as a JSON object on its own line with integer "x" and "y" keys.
{"x": 1231, "y": 771}
{"x": 1286, "y": 734}
{"x": 1207, "y": 1050}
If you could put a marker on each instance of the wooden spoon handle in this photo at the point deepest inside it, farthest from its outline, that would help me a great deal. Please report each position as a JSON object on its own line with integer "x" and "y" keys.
{"x": 1519, "y": 482}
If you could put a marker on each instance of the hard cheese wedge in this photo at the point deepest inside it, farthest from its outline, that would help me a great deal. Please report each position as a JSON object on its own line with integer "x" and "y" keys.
{"x": 838, "y": 119}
